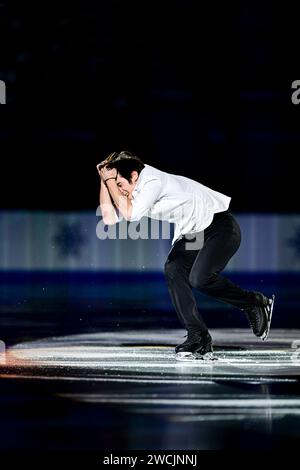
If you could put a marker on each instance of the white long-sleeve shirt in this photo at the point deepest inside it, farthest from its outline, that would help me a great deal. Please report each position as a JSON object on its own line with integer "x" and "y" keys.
{"x": 176, "y": 199}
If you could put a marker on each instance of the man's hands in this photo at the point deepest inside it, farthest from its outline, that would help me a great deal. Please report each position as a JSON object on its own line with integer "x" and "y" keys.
{"x": 105, "y": 172}
{"x": 111, "y": 157}
{"x": 118, "y": 199}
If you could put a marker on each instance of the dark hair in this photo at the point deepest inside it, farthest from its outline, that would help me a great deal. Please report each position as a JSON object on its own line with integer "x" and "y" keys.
{"x": 125, "y": 162}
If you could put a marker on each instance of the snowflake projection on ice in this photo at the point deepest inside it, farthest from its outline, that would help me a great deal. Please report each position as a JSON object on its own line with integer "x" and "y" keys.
{"x": 70, "y": 239}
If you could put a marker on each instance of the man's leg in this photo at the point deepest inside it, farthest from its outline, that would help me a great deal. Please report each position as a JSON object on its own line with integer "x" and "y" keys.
{"x": 177, "y": 269}
{"x": 221, "y": 240}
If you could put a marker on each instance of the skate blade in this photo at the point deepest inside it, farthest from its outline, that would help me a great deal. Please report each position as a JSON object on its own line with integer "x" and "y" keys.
{"x": 188, "y": 356}
{"x": 265, "y": 335}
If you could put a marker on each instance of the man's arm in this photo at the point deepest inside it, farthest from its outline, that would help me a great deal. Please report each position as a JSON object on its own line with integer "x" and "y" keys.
{"x": 132, "y": 209}
{"x": 149, "y": 194}
{"x": 136, "y": 208}
{"x": 122, "y": 203}
{"x": 109, "y": 214}
{"x": 108, "y": 211}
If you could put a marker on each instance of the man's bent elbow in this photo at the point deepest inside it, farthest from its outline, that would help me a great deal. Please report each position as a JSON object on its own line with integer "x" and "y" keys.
{"x": 109, "y": 220}
{"x": 130, "y": 216}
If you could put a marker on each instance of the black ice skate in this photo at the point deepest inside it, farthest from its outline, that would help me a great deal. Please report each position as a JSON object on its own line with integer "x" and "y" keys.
{"x": 197, "y": 346}
{"x": 260, "y": 315}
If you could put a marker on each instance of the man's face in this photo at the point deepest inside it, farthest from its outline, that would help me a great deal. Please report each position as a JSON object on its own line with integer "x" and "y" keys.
{"x": 124, "y": 186}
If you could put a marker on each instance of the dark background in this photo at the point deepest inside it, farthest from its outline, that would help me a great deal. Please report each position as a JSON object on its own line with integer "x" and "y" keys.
{"x": 201, "y": 89}
{"x": 194, "y": 88}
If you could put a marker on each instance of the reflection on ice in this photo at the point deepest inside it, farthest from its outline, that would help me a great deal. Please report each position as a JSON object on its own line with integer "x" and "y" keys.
{"x": 138, "y": 372}
{"x": 134, "y": 358}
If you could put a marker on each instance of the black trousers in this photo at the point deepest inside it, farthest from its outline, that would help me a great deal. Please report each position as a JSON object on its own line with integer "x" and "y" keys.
{"x": 197, "y": 264}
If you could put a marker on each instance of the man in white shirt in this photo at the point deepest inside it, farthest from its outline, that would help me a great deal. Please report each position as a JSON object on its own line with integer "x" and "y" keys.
{"x": 205, "y": 238}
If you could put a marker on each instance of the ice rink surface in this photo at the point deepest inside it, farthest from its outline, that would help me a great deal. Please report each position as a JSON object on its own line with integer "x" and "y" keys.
{"x": 125, "y": 389}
